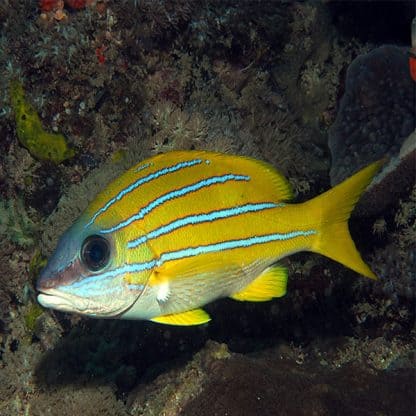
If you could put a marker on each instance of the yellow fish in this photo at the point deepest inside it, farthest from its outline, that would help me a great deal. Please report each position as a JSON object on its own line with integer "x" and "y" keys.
{"x": 185, "y": 228}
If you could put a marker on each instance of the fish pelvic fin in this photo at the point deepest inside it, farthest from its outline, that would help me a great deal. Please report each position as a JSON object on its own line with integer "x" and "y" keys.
{"x": 187, "y": 318}
{"x": 333, "y": 209}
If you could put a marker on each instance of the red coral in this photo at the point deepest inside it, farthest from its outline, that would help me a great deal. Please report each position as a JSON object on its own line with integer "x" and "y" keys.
{"x": 76, "y": 4}
{"x": 48, "y": 5}
{"x": 51, "y": 5}
{"x": 99, "y": 52}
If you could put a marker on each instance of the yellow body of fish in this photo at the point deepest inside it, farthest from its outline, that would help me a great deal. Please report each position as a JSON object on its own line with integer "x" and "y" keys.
{"x": 182, "y": 229}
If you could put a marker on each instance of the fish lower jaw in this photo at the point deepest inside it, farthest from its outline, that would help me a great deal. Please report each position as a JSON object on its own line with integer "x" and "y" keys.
{"x": 64, "y": 302}
{"x": 55, "y": 300}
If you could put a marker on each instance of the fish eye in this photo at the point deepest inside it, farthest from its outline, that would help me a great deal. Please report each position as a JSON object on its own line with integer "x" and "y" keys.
{"x": 95, "y": 252}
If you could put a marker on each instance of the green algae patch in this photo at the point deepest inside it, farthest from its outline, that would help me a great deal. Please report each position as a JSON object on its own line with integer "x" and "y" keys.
{"x": 118, "y": 156}
{"x": 32, "y": 314}
{"x": 37, "y": 263}
{"x": 40, "y": 143}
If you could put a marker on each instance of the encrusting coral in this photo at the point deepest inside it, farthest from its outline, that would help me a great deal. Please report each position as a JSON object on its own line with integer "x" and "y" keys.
{"x": 394, "y": 181}
{"x": 376, "y": 112}
{"x": 40, "y": 143}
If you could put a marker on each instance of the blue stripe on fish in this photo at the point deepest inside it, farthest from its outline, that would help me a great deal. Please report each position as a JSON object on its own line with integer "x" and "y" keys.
{"x": 228, "y": 245}
{"x": 175, "y": 194}
{"x": 141, "y": 181}
{"x": 127, "y": 268}
{"x": 200, "y": 218}
{"x": 92, "y": 282}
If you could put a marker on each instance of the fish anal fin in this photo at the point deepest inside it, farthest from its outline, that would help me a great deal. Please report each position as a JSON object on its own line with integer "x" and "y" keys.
{"x": 270, "y": 284}
{"x": 192, "y": 317}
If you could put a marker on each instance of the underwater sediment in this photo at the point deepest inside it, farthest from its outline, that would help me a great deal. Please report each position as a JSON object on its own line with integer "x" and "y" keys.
{"x": 118, "y": 81}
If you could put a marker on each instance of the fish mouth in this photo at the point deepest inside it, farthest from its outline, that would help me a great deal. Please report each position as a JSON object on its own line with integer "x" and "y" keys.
{"x": 52, "y": 298}
{"x": 65, "y": 302}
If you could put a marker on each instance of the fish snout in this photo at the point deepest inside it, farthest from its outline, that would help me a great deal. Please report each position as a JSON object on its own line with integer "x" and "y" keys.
{"x": 51, "y": 278}
{"x": 51, "y": 287}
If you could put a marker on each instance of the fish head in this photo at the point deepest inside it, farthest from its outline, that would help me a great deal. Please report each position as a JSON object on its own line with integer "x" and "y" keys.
{"x": 88, "y": 274}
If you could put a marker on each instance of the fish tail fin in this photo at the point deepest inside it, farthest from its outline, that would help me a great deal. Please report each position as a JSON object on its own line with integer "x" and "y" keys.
{"x": 333, "y": 209}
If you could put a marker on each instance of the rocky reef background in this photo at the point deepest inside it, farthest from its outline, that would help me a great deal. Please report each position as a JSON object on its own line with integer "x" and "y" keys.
{"x": 301, "y": 85}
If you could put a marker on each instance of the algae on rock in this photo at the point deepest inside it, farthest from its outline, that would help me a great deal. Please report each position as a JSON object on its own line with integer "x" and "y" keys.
{"x": 41, "y": 144}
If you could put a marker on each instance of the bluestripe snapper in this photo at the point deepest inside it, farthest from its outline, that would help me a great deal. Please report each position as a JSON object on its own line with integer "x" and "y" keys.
{"x": 183, "y": 229}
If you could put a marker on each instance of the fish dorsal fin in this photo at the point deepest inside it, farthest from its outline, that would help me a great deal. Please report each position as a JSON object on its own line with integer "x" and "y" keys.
{"x": 270, "y": 284}
{"x": 193, "y": 317}
{"x": 280, "y": 183}
{"x": 262, "y": 172}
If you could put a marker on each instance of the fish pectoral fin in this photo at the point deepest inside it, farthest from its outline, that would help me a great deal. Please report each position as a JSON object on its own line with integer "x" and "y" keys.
{"x": 270, "y": 284}
{"x": 181, "y": 286}
{"x": 189, "y": 268}
{"x": 192, "y": 317}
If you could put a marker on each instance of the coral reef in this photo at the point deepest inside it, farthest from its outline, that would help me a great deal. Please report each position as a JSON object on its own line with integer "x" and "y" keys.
{"x": 216, "y": 381}
{"x": 126, "y": 79}
{"x": 93, "y": 400}
{"x": 376, "y": 113}
{"x": 395, "y": 180}
{"x": 275, "y": 382}
{"x": 15, "y": 225}
{"x": 177, "y": 388}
